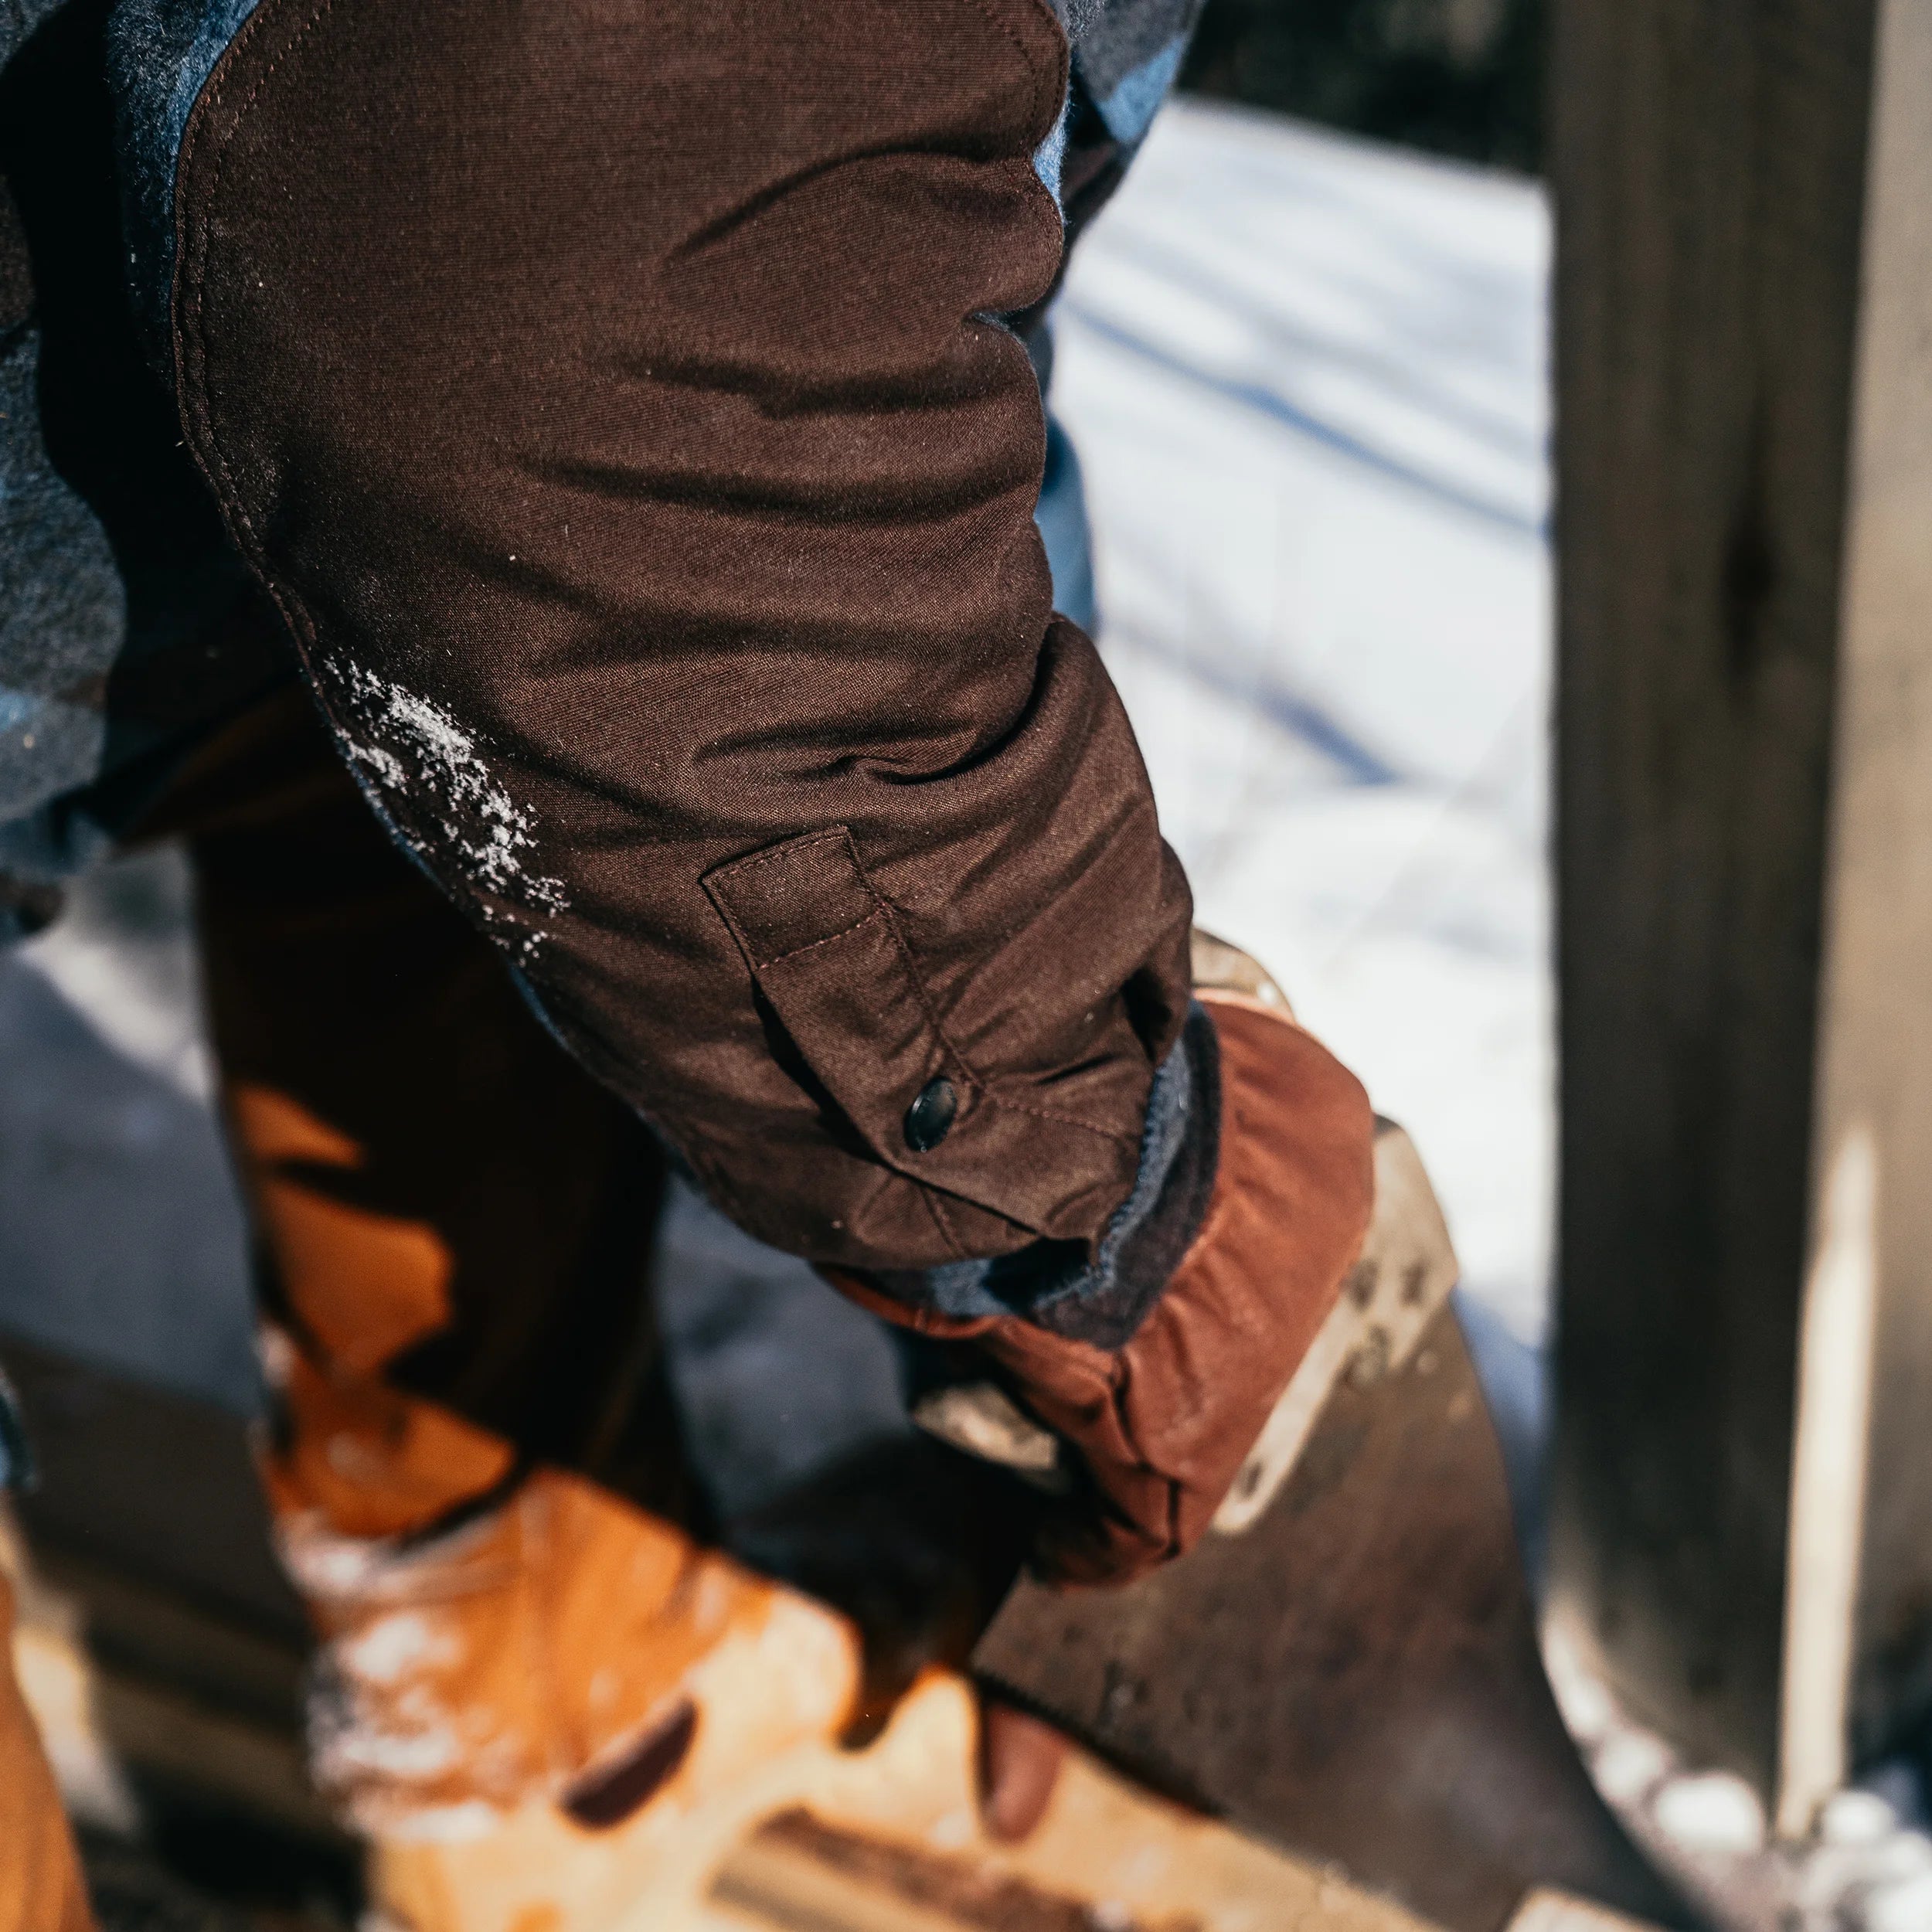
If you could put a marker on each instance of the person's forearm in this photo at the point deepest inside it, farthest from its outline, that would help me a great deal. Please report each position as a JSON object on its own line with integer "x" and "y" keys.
{"x": 614, "y": 403}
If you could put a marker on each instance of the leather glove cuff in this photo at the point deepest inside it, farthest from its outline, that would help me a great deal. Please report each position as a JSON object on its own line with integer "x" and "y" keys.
{"x": 1162, "y": 1422}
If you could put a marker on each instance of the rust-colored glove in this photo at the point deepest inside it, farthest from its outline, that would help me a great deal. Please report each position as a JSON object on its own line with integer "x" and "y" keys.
{"x": 1162, "y": 1424}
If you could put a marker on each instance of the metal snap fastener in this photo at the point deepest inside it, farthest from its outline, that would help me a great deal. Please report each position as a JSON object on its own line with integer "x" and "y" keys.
{"x": 930, "y": 1118}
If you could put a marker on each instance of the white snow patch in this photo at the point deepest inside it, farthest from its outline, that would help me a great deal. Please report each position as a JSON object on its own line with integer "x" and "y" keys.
{"x": 340, "y": 1570}
{"x": 1306, "y": 379}
{"x": 1857, "y": 1817}
{"x": 1905, "y": 1906}
{"x": 356, "y": 1750}
{"x": 393, "y": 1645}
{"x": 1860, "y": 1870}
{"x": 423, "y": 763}
{"x": 460, "y": 1824}
{"x": 1710, "y": 1812}
{"x": 1630, "y": 1765}
{"x": 324, "y": 1565}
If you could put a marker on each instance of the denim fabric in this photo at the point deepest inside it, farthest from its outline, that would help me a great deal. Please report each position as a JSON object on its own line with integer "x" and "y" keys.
{"x": 116, "y": 580}
{"x": 1115, "y": 40}
{"x": 1129, "y": 108}
{"x": 1125, "y": 56}
{"x": 18, "y": 19}
{"x": 1061, "y": 513}
{"x": 63, "y": 610}
{"x": 1052, "y": 154}
{"x": 160, "y": 53}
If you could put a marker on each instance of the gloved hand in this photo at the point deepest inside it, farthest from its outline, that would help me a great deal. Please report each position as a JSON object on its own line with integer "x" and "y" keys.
{"x": 1162, "y": 1424}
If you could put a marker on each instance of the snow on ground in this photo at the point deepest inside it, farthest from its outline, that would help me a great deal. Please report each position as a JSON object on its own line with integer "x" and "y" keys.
{"x": 1307, "y": 379}
{"x": 1305, "y": 376}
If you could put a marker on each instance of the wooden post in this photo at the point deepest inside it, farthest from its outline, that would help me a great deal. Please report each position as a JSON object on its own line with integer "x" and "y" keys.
{"x": 1743, "y": 1494}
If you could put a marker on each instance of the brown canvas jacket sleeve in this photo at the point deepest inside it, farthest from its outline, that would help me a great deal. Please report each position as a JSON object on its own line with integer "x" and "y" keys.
{"x": 609, "y": 397}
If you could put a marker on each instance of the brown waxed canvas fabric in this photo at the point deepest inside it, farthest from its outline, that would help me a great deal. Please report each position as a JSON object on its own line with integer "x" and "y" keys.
{"x": 1163, "y": 1425}
{"x": 607, "y": 395}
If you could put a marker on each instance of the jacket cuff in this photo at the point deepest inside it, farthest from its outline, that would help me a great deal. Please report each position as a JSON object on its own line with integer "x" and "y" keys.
{"x": 1102, "y": 1293}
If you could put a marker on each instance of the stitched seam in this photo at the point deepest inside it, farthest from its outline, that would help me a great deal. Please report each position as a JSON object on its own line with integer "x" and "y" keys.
{"x": 1122, "y": 1378}
{"x": 979, "y": 1087}
{"x": 1050, "y": 83}
{"x": 194, "y": 386}
{"x": 957, "y": 1059}
{"x": 929, "y": 1197}
{"x": 812, "y": 946}
{"x": 1042, "y": 79}
{"x": 1050, "y": 89}
{"x": 194, "y": 268}
{"x": 836, "y": 835}
{"x": 881, "y": 907}
{"x": 205, "y": 113}
{"x": 920, "y": 994}
{"x": 1062, "y": 1119}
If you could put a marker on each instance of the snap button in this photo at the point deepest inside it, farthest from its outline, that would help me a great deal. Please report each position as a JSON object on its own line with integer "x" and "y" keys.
{"x": 930, "y": 1118}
